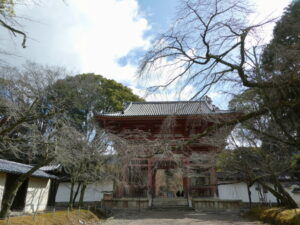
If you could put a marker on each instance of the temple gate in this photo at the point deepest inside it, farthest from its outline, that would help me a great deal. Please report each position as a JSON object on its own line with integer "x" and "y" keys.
{"x": 160, "y": 175}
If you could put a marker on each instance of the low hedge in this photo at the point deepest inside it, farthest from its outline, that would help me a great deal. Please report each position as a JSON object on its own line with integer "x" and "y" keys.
{"x": 277, "y": 216}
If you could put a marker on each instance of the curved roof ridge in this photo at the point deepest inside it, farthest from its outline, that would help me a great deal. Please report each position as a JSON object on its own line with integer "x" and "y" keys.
{"x": 151, "y": 102}
{"x": 168, "y": 108}
{"x": 127, "y": 108}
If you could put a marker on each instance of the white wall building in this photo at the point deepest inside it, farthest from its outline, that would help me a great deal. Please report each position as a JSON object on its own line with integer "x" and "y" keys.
{"x": 93, "y": 192}
{"x": 37, "y": 194}
{"x": 2, "y": 185}
{"x": 238, "y": 191}
{"x": 33, "y": 195}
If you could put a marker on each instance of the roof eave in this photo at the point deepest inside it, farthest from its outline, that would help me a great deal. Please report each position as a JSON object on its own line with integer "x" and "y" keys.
{"x": 103, "y": 116}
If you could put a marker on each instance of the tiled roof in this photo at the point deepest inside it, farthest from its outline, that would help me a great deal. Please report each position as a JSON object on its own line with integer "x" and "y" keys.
{"x": 50, "y": 167}
{"x": 167, "y": 108}
{"x": 20, "y": 168}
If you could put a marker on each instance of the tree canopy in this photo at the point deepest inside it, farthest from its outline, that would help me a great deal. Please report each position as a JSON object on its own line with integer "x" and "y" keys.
{"x": 85, "y": 95}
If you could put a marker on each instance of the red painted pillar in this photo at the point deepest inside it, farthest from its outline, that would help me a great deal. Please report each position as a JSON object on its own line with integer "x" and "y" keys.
{"x": 186, "y": 179}
{"x": 149, "y": 177}
{"x": 213, "y": 182}
{"x": 119, "y": 191}
{"x": 153, "y": 182}
{"x": 185, "y": 186}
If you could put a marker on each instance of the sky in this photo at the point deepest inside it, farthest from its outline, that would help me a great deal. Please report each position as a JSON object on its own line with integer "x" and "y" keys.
{"x": 104, "y": 37}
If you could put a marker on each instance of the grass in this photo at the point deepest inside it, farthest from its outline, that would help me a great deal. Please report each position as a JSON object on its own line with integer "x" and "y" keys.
{"x": 74, "y": 217}
{"x": 277, "y": 216}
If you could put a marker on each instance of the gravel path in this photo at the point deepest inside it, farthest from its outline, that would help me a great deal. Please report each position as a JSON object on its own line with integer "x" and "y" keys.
{"x": 176, "y": 217}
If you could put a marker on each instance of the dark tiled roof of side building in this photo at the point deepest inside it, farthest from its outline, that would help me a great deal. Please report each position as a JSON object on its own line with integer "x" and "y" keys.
{"x": 20, "y": 168}
{"x": 51, "y": 167}
{"x": 167, "y": 108}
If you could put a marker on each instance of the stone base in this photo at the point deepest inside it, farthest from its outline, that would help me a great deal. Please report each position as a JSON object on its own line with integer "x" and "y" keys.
{"x": 197, "y": 203}
{"x": 130, "y": 203}
{"x": 66, "y": 204}
{"x": 169, "y": 202}
{"x": 216, "y": 204}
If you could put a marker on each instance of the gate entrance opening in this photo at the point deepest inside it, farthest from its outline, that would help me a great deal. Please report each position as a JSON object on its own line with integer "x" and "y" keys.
{"x": 169, "y": 183}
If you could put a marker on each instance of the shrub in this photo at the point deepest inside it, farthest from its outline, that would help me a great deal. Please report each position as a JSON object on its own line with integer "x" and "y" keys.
{"x": 277, "y": 216}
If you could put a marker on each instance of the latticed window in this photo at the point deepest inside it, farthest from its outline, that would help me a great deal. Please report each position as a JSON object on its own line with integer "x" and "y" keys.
{"x": 201, "y": 178}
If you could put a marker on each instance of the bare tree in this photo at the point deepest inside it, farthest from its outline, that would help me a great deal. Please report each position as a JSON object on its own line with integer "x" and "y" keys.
{"x": 84, "y": 161}
{"x": 212, "y": 45}
{"x": 34, "y": 130}
{"x": 30, "y": 129}
{"x": 8, "y": 19}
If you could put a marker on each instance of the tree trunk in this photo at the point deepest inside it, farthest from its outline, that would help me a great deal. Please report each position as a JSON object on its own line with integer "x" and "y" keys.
{"x": 76, "y": 193}
{"x": 277, "y": 199}
{"x": 71, "y": 195}
{"x": 10, "y": 194}
{"x": 249, "y": 195}
{"x": 286, "y": 200}
{"x": 82, "y": 194}
{"x": 260, "y": 193}
{"x": 9, "y": 197}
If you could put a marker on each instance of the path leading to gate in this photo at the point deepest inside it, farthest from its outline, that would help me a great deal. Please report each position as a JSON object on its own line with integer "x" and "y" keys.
{"x": 177, "y": 217}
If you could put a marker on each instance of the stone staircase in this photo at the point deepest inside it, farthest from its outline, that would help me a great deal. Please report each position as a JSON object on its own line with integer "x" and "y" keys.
{"x": 165, "y": 203}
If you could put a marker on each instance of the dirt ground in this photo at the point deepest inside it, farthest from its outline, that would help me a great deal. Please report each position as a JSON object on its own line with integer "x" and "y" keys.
{"x": 177, "y": 217}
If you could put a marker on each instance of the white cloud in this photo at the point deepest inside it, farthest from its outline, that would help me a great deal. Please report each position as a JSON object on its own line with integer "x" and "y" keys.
{"x": 110, "y": 31}
{"x": 264, "y": 11}
{"x": 269, "y": 8}
{"x": 91, "y": 35}
{"x": 167, "y": 87}
{"x": 166, "y": 95}
{"x": 85, "y": 36}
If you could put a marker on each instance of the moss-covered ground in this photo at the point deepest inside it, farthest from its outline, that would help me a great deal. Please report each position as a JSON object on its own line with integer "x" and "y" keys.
{"x": 74, "y": 217}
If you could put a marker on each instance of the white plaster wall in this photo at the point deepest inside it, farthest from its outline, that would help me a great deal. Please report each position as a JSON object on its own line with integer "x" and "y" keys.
{"x": 2, "y": 186}
{"x": 93, "y": 192}
{"x": 239, "y": 191}
{"x": 37, "y": 194}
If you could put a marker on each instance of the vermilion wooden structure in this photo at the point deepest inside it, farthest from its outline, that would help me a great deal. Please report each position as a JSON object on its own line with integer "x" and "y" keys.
{"x": 188, "y": 118}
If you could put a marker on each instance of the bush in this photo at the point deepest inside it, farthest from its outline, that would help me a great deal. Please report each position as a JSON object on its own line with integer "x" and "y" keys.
{"x": 277, "y": 216}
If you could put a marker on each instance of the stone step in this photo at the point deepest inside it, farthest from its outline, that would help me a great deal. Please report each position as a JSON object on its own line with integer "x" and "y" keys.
{"x": 169, "y": 199}
{"x": 177, "y": 208}
{"x": 169, "y": 202}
